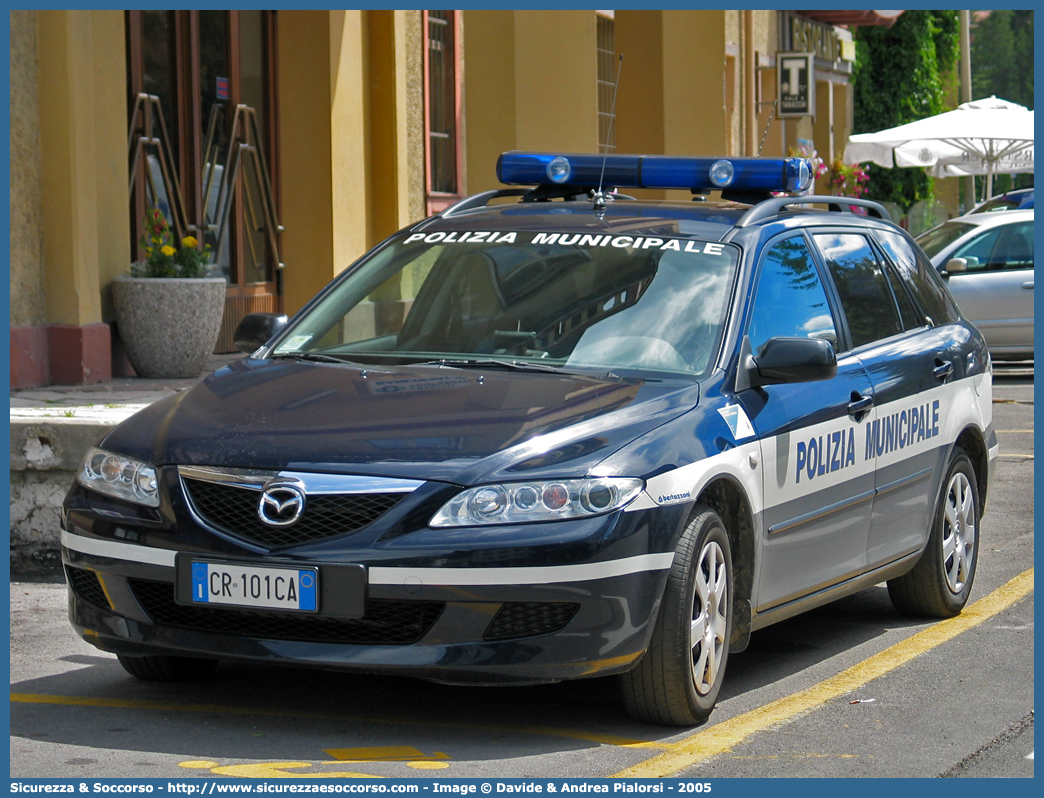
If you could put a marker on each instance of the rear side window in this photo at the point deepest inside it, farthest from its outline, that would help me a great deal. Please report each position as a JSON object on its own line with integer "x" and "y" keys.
{"x": 862, "y": 287}
{"x": 911, "y": 318}
{"x": 920, "y": 277}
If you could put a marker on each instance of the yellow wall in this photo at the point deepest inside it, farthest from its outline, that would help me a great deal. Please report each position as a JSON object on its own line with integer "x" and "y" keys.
{"x": 530, "y": 84}
{"x": 110, "y": 72}
{"x": 823, "y": 123}
{"x": 489, "y": 94}
{"x": 556, "y": 78}
{"x": 28, "y": 298}
{"x": 682, "y": 89}
{"x": 83, "y": 140}
{"x": 384, "y": 100}
{"x": 351, "y": 126}
{"x": 640, "y": 96}
{"x": 671, "y": 98}
{"x": 348, "y": 116}
{"x": 395, "y": 140}
{"x": 305, "y": 153}
{"x": 351, "y": 156}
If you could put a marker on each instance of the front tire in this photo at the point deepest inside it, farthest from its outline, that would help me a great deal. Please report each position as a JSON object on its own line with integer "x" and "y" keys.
{"x": 939, "y": 585}
{"x": 154, "y": 668}
{"x": 676, "y": 683}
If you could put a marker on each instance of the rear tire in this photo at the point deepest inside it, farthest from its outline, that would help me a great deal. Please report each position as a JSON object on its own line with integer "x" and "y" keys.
{"x": 152, "y": 668}
{"x": 676, "y": 682}
{"x": 939, "y": 585}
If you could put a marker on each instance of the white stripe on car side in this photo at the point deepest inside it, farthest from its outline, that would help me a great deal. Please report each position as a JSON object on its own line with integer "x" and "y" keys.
{"x": 546, "y": 575}
{"x": 118, "y": 551}
{"x": 684, "y": 484}
{"x": 961, "y": 403}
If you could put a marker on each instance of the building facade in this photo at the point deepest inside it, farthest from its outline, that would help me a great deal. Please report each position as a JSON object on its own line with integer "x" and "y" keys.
{"x": 293, "y": 141}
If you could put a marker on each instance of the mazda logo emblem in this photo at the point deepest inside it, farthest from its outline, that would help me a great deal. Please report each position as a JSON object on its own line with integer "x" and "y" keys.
{"x": 281, "y": 505}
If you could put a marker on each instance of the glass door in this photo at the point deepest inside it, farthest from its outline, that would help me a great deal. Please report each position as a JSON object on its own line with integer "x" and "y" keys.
{"x": 214, "y": 75}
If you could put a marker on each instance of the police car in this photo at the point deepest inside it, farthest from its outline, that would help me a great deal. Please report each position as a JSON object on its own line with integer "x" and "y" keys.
{"x": 552, "y": 433}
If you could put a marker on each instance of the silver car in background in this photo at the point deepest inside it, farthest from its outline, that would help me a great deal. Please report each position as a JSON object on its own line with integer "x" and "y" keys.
{"x": 987, "y": 260}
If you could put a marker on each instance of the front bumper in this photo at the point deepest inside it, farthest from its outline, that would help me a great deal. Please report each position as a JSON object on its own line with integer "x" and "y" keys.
{"x": 539, "y": 603}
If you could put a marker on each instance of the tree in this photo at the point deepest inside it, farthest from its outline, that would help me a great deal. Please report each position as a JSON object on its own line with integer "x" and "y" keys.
{"x": 1002, "y": 66}
{"x": 1002, "y": 56}
{"x": 900, "y": 76}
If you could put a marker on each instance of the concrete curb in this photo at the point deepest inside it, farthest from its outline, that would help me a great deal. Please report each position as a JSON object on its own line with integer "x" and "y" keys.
{"x": 46, "y": 451}
{"x": 51, "y": 429}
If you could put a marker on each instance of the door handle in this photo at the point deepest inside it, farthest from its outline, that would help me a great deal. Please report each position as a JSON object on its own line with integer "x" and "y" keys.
{"x": 859, "y": 406}
{"x": 1028, "y": 286}
{"x": 943, "y": 369}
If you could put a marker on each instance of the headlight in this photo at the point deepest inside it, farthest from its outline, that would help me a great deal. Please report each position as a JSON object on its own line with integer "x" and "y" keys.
{"x": 119, "y": 476}
{"x": 526, "y": 502}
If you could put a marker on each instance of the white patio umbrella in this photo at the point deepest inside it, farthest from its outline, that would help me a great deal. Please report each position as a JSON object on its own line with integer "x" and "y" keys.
{"x": 983, "y": 137}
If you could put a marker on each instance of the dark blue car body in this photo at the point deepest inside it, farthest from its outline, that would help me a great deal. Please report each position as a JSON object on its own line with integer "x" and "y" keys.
{"x": 820, "y": 497}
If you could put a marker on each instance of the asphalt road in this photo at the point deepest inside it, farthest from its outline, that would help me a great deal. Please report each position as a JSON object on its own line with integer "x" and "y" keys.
{"x": 850, "y": 690}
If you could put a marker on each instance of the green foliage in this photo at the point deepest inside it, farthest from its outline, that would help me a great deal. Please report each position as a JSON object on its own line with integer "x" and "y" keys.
{"x": 1002, "y": 66}
{"x": 900, "y": 75}
{"x": 1002, "y": 56}
{"x": 162, "y": 258}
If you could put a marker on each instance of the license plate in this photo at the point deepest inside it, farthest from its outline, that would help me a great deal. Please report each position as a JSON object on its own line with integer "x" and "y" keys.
{"x": 251, "y": 586}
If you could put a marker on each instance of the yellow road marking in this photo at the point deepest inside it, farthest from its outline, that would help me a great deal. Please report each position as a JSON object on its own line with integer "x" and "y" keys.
{"x": 386, "y": 753}
{"x": 126, "y": 703}
{"x": 1014, "y": 431}
{"x": 1015, "y": 454}
{"x": 722, "y": 737}
{"x": 281, "y": 770}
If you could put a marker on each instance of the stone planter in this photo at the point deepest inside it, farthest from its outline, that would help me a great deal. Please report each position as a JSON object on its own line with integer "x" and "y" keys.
{"x": 169, "y": 325}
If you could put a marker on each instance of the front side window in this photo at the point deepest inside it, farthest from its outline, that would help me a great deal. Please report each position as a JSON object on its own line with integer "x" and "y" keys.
{"x": 790, "y": 300}
{"x": 861, "y": 286}
{"x": 1000, "y": 249}
{"x": 584, "y": 301}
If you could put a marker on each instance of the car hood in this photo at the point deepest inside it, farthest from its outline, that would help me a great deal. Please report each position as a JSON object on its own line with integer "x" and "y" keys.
{"x": 455, "y": 425}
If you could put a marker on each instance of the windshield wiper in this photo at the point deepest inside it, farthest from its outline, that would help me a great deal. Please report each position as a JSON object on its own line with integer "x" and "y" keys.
{"x": 313, "y": 356}
{"x": 517, "y": 365}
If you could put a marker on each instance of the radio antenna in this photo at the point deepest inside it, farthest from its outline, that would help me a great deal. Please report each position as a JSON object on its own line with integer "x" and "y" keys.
{"x": 598, "y": 196}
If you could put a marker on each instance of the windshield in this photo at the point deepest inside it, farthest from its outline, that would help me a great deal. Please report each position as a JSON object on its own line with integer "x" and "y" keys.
{"x": 1017, "y": 200}
{"x": 527, "y": 299}
{"x": 935, "y": 240}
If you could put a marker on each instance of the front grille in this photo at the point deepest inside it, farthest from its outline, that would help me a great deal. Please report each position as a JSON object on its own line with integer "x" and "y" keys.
{"x": 85, "y": 585}
{"x": 385, "y": 622}
{"x": 234, "y": 510}
{"x": 529, "y": 619}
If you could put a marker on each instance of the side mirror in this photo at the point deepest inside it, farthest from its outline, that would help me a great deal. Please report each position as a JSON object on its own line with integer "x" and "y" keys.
{"x": 785, "y": 360}
{"x": 955, "y": 266}
{"x": 256, "y": 329}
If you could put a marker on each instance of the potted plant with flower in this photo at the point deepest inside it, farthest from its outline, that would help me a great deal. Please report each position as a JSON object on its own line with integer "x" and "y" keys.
{"x": 168, "y": 311}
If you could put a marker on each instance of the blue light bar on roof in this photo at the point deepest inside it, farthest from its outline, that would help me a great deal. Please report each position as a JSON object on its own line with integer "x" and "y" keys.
{"x": 792, "y": 175}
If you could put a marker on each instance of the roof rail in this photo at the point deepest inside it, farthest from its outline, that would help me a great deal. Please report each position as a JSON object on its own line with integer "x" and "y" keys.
{"x": 772, "y": 207}
{"x": 481, "y": 200}
{"x": 534, "y": 194}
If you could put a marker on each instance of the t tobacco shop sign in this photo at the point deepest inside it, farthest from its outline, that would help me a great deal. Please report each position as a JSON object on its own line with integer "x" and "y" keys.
{"x": 795, "y": 84}
{"x": 805, "y": 47}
